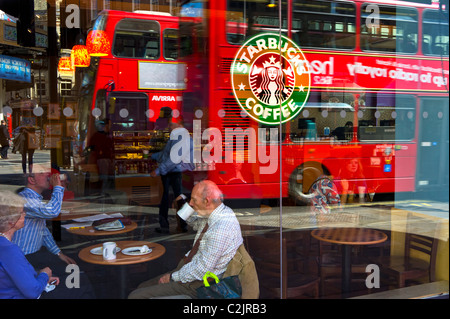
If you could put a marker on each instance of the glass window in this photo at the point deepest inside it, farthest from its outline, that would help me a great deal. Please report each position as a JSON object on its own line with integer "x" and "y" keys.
{"x": 325, "y": 24}
{"x": 127, "y": 112}
{"x": 435, "y": 33}
{"x": 386, "y": 117}
{"x": 326, "y": 116}
{"x": 320, "y": 24}
{"x": 319, "y": 201}
{"x": 137, "y": 39}
{"x": 41, "y": 88}
{"x": 170, "y": 45}
{"x": 247, "y": 18}
{"x": 329, "y": 116}
{"x": 100, "y": 22}
{"x": 66, "y": 88}
{"x": 395, "y": 31}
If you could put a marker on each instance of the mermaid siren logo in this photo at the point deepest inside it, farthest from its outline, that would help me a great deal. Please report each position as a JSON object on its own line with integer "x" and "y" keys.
{"x": 270, "y": 78}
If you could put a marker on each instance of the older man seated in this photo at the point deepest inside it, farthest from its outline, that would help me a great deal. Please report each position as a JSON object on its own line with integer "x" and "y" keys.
{"x": 216, "y": 243}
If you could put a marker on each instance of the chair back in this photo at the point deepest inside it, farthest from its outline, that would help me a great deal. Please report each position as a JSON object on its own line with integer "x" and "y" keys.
{"x": 423, "y": 244}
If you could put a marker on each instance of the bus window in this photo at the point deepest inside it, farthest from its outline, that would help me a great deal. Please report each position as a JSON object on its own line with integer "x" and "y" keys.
{"x": 327, "y": 115}
{"x": 100, "y": 22}
{"x": 170, "y": 44}
{"x": 247, "y": 18}
{"x": 386, "y": 117}
{"x": 397, "y": 30}
{"x": 127, "y": 112}
{"x": 325, "y": 24}
{"x": 435, "y": 33}
{"x": 320, "y": 24}
{"x": 137, "y": 39}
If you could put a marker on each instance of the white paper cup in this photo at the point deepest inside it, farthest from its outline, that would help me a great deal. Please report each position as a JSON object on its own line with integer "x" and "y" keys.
{"x": 185, "y": 211}
{"x": 362, "y": 193}
{"x": 109, "y": 250}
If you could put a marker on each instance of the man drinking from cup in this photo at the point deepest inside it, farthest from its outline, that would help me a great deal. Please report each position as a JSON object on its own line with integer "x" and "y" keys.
{"x": 216, "y": 242}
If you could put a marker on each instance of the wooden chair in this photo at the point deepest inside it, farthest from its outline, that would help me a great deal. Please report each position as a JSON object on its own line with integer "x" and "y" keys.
{"x": 276, "y": 279}
{"x": 406, "y": 267}
{"x": 329, "y": 261}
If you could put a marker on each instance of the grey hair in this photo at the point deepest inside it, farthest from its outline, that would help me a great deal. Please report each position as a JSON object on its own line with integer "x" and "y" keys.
{"x": 11, "y": 206}
{"x": 211, "y": 190}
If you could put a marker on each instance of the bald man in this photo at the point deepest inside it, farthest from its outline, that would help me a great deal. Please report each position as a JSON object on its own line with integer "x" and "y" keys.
{"x": 216, "y": 242}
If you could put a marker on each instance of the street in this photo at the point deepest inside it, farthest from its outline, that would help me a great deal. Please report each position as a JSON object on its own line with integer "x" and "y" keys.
{"x": 11, "y": 169}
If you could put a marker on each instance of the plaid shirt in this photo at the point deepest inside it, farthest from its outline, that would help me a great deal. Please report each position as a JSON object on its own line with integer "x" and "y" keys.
{"x": 35, "y": 233}
{"x": 217, "y": 247}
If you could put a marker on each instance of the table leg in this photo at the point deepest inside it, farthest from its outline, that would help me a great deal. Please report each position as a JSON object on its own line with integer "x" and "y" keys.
{"x": 123, "y": 282}
{"x": 56, "y": 229}
{"x": 346, "y": 268}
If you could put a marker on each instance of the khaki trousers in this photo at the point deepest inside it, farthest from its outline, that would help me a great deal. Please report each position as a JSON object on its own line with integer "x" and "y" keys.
{"x": 151, "y": 289}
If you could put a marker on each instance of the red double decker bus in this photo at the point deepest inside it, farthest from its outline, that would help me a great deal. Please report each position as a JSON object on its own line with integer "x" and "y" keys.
{"x": 377, "y": 97}
{"x": 137, "y": 85}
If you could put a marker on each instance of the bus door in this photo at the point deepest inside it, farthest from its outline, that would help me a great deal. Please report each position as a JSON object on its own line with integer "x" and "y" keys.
{"x": 432, "y": 158}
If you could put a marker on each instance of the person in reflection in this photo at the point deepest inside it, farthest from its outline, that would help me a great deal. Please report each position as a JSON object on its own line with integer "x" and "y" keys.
{"x": 101, "y": 146}
{"x": 35, "y": 239}
{"x": 164, "y": 119}
{"x": 171, "y": 172}
{"x": 4, "y": 140}
{"x": 35, "y": 234}
{"x": 18, "y": 279}
{"x": 217, "y": 239}
{"x": 25, "y": 144}
{"x": 350, "y": 181}
{"x": 343, "y": 132}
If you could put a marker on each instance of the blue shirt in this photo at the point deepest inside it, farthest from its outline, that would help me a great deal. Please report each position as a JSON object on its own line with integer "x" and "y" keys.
{"x": 18, "y": 279}
{"x": 35, "y": 233}
{"x": 184, "y": 153}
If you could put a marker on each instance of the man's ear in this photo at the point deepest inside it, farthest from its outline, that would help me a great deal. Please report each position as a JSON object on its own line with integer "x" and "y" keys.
{"x": 31, "y": 180}
{"x": 207, "y": 201}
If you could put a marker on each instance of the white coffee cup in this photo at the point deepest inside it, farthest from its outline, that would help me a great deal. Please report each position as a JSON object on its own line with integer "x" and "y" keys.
{"x": 109, "y": 250}
{"x": 185, "y": 211}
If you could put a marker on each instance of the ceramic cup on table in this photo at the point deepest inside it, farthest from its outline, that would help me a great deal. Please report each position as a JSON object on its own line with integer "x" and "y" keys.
{"x": 109, "y": 250}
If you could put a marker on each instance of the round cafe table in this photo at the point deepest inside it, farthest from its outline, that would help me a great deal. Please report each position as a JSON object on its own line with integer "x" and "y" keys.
{"x": 347, "y": 237}
{"x": 121, "y": 259}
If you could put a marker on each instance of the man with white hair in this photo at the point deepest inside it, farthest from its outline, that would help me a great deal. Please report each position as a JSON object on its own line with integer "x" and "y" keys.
{"x": 216, "y": 242}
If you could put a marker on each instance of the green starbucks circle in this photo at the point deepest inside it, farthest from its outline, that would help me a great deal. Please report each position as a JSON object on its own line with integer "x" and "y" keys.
{"x": 270, "y": 78}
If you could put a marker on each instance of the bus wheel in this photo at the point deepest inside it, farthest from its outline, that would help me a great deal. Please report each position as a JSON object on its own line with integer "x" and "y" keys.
{"x": 302, "y": 178}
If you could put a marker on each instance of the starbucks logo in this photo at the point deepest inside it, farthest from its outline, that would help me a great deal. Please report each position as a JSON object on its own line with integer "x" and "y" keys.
{"x": 270, "y": 78}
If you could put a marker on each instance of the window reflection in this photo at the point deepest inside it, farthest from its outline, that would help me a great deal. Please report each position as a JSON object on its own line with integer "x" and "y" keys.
{"x": 137, "y": 39}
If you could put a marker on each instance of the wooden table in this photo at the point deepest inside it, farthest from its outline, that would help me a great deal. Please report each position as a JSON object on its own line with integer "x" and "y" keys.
{"x": 121, "y": 259}
{"x": 90, "y": 231}
{"x": 347, "y": 237}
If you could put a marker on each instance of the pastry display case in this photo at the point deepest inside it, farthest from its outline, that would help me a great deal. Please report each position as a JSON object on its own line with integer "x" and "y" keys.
{"x": 133, "y": 149}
